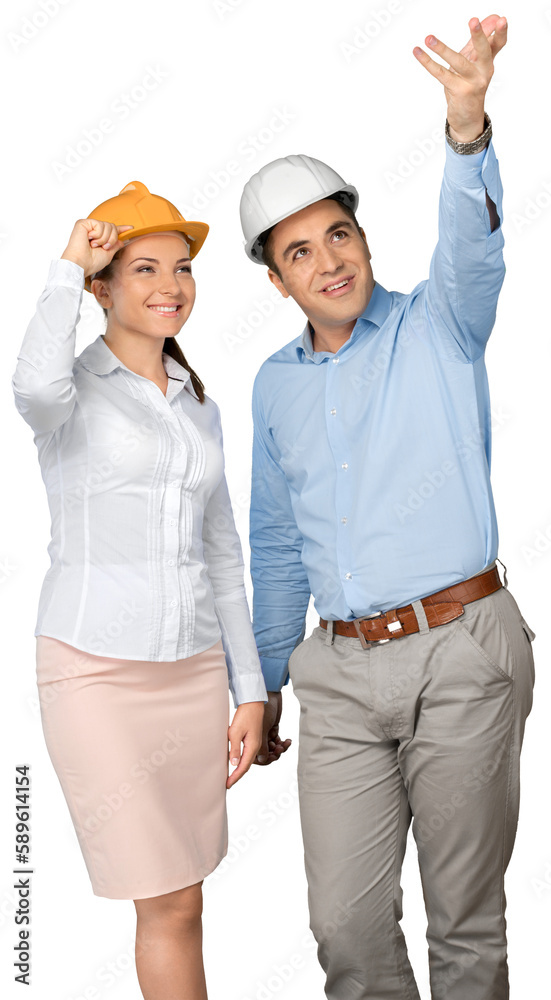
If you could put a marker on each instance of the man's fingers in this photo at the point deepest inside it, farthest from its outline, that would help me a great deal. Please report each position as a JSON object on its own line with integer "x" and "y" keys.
{"x": 435, "y": 69}
{"x": 500, "y": 36}
{"x": 481, "y": 45}
{"x": 458, "y": 62}
{"x": 495, "y": 29}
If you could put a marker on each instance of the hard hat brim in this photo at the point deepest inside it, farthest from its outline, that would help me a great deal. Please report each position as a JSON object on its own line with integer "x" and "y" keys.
{"x": 253, "y": 247}
{"x": 195, "y": 231}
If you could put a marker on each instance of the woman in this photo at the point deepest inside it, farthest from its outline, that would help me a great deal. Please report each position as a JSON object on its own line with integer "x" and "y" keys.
{"x": 143, "y": 621}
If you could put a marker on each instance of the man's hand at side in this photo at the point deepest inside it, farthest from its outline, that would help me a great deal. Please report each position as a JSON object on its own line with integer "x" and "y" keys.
{"x": 468, "y": 78}
{"x": 272, "y": 744}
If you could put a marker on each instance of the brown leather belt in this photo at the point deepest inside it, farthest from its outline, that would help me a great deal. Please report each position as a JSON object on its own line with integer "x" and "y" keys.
{"x": 440, "y": 608}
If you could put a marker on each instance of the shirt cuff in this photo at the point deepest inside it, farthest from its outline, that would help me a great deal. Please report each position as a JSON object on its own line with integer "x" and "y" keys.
{"x": 468, "y": 169}
{"x": 248, "y": 687}
{"x": 275, "y": 670}
{"x": 65, "y": 272}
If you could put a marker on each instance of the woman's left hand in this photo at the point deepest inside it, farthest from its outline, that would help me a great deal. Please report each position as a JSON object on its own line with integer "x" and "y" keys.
{"x": 246, "y": 728}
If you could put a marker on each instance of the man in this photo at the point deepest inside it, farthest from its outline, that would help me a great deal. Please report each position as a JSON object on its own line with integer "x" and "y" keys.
{"x": 371, "y": 491}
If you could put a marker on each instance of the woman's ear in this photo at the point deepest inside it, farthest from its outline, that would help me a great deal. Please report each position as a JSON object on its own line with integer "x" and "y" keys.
{"x": 100, "y": 291}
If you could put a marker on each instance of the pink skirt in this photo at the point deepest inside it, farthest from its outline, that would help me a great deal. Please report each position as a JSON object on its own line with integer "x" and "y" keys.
{"x": 141, "y": 752}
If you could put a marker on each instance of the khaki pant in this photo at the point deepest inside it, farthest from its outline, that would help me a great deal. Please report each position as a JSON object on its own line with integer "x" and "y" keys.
{"x": 428, "y": 726}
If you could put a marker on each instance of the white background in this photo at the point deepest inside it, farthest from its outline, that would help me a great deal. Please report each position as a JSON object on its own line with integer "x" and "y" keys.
{"x": 231, "y": 76}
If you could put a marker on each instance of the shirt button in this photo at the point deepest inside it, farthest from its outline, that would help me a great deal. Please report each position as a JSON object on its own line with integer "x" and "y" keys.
{"x": 333, "y": 411}
{"x": 344, "y": 520}
{"x": 175, "y": 483}
{"x": 345, "y": 465}
{"x": 173, "y": 521}
{"x": 336, "y": 361}
{"x": 173, "y": 604}
{"x": 170, "y": 562}
{"x": 348, "y": 576}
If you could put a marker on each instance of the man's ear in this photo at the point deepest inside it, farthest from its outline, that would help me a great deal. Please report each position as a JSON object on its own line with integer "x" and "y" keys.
{"x": 364, "y": 238}
{"x": 276, "y": 280}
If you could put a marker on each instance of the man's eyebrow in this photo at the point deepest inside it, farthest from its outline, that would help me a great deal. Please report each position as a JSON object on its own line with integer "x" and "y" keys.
{"x": 340, "y": 224}
{"x": 153, "y": 260}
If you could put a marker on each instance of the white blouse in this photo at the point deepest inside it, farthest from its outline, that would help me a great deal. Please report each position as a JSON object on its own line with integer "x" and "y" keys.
{"x": 146, "y": 562}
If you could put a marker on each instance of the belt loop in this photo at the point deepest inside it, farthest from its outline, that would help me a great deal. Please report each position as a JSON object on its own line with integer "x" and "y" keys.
{"x": 421, "y": 616}
{"x": 504, "y": 572}
{"x": 329, "y": 636}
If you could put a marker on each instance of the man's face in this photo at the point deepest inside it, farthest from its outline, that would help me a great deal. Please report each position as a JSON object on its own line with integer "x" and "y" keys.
{"x": 317, "y": 249}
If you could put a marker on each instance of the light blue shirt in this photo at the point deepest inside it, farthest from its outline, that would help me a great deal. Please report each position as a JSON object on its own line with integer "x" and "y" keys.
{"x": 371, "y": 466}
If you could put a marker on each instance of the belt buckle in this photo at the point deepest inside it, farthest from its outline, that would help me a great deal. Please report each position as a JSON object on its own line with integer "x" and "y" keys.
{"x": 361, "y": 636}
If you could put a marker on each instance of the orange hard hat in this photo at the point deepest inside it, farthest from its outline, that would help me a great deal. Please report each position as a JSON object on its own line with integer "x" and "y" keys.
{"x": 147, "y": 213}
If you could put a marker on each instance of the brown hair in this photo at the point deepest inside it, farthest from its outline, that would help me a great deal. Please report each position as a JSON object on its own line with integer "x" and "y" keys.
{"x": 170, "y": 346}
{"x": 266, "y": 242}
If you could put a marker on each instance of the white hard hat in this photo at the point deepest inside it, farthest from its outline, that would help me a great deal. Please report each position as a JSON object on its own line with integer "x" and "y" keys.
{"x": 284, "y": 187}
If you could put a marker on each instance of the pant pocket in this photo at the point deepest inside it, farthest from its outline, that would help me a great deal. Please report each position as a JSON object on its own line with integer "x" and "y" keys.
{"x": 529, "y": 632}
{"x": 482, "y": 625}
{"x": 291, "y": 665}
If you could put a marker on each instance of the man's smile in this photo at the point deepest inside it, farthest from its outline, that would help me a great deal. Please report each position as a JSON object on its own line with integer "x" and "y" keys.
{"x": 335, "y": 289}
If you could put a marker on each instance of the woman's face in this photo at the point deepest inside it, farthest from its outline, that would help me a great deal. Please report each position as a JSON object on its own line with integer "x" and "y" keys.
{"x": 152, "y": 290}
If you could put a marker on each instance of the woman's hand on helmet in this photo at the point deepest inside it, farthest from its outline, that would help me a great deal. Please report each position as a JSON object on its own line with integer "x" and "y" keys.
{"x": 92, "y": 244}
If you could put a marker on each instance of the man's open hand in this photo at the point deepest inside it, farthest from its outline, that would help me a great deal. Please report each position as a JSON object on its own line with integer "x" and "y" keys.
{"x": 467, "y": 79}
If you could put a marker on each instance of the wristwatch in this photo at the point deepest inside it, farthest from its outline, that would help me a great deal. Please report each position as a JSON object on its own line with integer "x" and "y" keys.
{"x": 477, "y": 144}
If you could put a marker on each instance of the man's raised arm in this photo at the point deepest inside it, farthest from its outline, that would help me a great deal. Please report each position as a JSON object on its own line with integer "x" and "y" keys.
{"x": 459, "y": 300}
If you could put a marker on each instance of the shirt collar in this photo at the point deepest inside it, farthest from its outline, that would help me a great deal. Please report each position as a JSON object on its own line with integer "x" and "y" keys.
{"x": 99, "y": 358}
{"x": 376, "y": 311}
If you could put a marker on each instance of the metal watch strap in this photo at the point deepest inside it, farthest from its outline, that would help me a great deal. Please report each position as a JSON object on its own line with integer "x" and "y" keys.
{"x": 470, "y": 147}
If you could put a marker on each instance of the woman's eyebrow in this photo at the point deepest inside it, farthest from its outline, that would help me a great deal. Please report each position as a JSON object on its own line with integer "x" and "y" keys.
{"x": 153, "y": 260}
